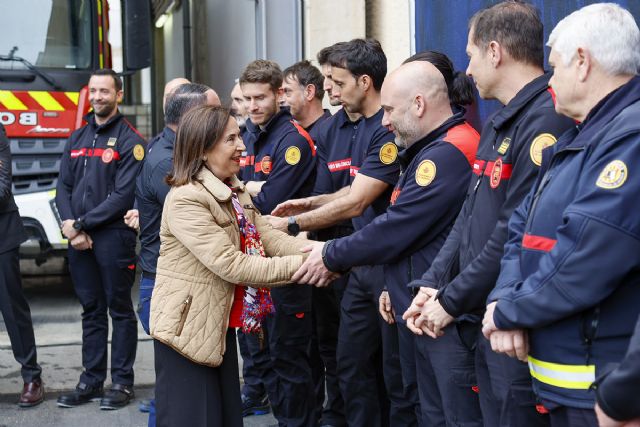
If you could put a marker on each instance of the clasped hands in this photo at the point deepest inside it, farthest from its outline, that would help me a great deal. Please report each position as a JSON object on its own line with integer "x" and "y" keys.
{"x": 425, "y": 315}
{"x": 79, "y": 240}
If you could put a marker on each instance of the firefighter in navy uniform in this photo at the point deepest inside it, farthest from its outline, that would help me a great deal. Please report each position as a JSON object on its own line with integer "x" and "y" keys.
{"x": 507, "y": 67}
{"x": 95, "y": 189}
{"x": 570, "y": 275}
{"x": 372, "y": 397}
{"x": 279, "y": 165}
{"x": 436, "y": 166}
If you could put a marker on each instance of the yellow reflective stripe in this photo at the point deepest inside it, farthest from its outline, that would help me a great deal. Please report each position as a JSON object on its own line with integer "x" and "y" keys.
{"x": 73, "y": 96}
{"x": 45, "y": 99}
{"x": 590, "y": 369}
{"x": 564, "y": 376}
{"x": 100, "y": 34}
{"x": 579, "y": 385}
{"x": 10, "y": 101}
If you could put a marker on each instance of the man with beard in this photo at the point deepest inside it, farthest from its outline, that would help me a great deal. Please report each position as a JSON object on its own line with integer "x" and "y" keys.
{"x": 96, "y": 188}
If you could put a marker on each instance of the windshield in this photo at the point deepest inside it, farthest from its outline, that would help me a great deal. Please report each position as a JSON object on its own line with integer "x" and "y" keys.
{"x": 47, "y": 33}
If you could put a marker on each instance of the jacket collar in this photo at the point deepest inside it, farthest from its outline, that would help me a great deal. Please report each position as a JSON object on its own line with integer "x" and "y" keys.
{"x": 217, "y": 188}
{"x": 90, "y": 118}
{"x": 406, "y": 155}
{"x": 521, "y": 100}
{"x": 280, "y": 116}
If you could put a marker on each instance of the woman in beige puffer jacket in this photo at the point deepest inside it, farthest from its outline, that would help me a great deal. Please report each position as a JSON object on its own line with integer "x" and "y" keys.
{"x": 200, "y": 264}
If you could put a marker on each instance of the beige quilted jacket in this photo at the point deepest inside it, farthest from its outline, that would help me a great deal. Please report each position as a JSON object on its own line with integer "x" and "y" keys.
{"x": 200, "y": 263}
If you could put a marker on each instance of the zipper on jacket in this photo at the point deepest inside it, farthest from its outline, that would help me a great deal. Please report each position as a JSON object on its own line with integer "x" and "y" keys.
{"x": 84, "y": 170}
{"x": 186, "y": 305}
{"x": 546, "y": 179}
{"x": 589, "y": 332}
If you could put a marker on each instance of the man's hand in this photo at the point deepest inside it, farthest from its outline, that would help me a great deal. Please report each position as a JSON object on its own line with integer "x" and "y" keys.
{"x": 488, "y": 326}
{"x": 605, "y": 421}
{"x": 384, "y": 306}
{"x": 292, "y": 207}
{"x": 277, "y": 222}
{"x": 437, "y": 318}
{"x": 514, "y": 343}
{"x": 415, "y": 309}
{"x": 82, "y": 242}
{"x": 254, "y": 187}
{"x": 67, "y": 229}
{"x": 132, "y": 219}
{"x": 313, "y": 271}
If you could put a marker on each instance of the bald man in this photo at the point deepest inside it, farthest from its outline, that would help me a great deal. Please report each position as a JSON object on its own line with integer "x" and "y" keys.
{"x": 170, "y": 87}
{"x": 438, "y": 149}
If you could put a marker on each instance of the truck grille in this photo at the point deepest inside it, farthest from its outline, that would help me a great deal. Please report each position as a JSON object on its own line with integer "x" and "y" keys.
{"x": 36, "y": 164}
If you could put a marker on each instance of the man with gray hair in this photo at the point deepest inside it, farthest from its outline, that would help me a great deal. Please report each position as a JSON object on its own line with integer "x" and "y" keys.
{"x": 570, "y": 273}
{"x": 151, "y": 189}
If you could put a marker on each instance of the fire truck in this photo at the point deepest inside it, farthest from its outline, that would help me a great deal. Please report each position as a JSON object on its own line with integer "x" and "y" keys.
{"x": 48, "y": 48}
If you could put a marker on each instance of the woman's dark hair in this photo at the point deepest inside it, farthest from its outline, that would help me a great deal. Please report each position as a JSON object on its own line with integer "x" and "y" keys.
{"x": 459, "y": 85}
{"x": 200, "y": 129}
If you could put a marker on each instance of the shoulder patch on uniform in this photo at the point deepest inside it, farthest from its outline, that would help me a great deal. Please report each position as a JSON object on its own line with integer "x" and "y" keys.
{"x": 388, "y": 153}
{"x": 292, "y": 155}
{"x": 138, "y": 152}
{"x": 504, "y": 146}
{"x": 539, "y": 143}
{"x": 613, "y": 175}
{"x": 425, "y": 173}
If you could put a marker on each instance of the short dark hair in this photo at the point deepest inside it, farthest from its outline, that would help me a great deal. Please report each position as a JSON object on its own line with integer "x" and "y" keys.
{"x": 182, "y": 99}
{"x": 325, "y": 52}
{"x": 117, "y": 81}
{"x": 361, "y": 57}
{"x": 306, "y": 74}
{"x": 459, "y": 86}
{"x": 263, "y": 71}
{"x": 516, "y": 25}
{"x": 200, "y": 129}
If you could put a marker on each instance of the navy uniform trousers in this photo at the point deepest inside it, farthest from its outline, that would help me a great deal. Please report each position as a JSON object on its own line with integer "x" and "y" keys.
{"x": 506, "y": 395}
{"x": 283, "y": 362}
{"x": 102, "y": 279}
{"x": 365, "y": 341}
{"x": 17, "y": 316}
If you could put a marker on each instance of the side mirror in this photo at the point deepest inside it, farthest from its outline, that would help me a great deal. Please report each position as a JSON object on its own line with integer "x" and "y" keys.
{"x": 136, "y": 24}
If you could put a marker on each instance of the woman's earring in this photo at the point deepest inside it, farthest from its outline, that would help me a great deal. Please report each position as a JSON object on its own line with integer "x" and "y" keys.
{"x": 204, "y": 159}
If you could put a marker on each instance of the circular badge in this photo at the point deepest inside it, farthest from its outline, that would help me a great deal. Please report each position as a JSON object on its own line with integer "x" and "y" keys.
{"x": 265, "y": 164}
{"x": 613, "y": 175}
{"x": 388, "y": 153}
{"x": 292, "y": 155}
{"x": 540, "y": 142}
{"x": 496, "y": 174}
{"x": 425, "y": 173}
{"x": 138, "y": 152}
{"x": 107, "y": 155}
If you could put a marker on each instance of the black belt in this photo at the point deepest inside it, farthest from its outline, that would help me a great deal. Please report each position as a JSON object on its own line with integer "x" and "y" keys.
{"x": 147, "y": 275}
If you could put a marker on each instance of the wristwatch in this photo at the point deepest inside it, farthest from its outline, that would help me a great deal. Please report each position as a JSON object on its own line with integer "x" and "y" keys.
{"x": 78, "y": 225}
{"x": 292, "y": 226}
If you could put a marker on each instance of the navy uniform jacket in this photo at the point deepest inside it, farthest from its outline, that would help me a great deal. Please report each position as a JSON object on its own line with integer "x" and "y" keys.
{"x": 374, "y": 154}
{"x": 435, "y": 176}
{"x": 283, "y": 155}
{"x": 617, "y": 393}
{"x": 571, "y": 270}
{"x": 151, "y": 190}
{"x": 316, "y": 127}
{"x": 11, "y": 228}
{"x": 98, "y": 171}
{"x": 334, "y": 138}
{"x": 506, "y": 166}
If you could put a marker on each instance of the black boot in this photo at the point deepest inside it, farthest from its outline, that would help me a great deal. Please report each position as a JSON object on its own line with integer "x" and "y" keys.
{"x": 82, "y": 394}
{"x": 118, "y": 396}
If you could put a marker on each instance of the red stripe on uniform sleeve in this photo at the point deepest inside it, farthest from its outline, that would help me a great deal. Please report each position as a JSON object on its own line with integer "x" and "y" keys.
{"x": 538, "y": 243}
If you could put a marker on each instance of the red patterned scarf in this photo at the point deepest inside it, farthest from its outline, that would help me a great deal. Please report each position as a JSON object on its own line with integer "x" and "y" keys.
{"x": 257, "y": 304}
